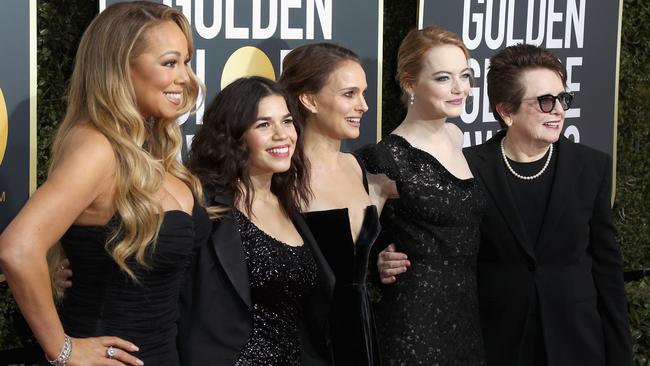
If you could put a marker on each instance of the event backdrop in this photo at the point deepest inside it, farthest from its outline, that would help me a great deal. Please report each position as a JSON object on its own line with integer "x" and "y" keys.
{"x": 235, "y": 38}
{"x": 583, "y": 34}
{"x": 17, "y": 106}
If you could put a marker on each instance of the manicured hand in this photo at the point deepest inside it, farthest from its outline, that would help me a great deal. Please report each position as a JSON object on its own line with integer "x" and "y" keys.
{"x": 93, "y": 352}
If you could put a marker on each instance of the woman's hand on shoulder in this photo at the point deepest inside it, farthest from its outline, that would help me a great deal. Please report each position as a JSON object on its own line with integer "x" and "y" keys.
{"x": 94, "y": 352}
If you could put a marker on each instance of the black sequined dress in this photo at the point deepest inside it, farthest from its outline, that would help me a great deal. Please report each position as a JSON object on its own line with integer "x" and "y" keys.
{"x": 430, "y": 315}
{"x": 104, "y": 301}
{"x": 280, "y": 277}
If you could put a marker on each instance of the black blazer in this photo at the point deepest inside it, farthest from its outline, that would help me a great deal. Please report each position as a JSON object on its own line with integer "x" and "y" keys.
{"x": 216, "y": 319}
{"x": 576, "y": 268}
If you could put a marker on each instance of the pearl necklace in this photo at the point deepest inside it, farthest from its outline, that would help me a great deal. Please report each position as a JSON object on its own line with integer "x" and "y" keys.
{"x": 530, "y": 177}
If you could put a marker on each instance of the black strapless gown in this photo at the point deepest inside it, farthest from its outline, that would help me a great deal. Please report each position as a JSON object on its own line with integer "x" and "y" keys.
{"x": 280, "y": 277}
{"x": 352, "y": 325}
{"x": 104, "y": 301}
{"x": 430, "y": 315}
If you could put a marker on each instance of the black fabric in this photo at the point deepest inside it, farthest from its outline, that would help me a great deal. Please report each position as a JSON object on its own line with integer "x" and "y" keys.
{"x": 280, "y": 276}
{"x": 430, "y": 315}
{"x": 531, "y": 196}
{"x": 104, "y": 301}
{"x": 216, "y": 318}
{"x": 351, "y": 320}
{"x": 575, "y": 266}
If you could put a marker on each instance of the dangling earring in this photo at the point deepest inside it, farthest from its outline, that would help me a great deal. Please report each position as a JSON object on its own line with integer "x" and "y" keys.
{"x": 411, "y": 99}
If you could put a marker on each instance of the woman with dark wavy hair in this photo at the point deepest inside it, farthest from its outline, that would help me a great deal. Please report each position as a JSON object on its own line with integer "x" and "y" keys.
{"x": 259, "y": 292}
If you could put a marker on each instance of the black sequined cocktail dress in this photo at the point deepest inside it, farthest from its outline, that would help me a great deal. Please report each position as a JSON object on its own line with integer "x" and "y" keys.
{"x": 280, "y": 277}
{"x": 104, "y": 301}
{"x": 430, "y": 315}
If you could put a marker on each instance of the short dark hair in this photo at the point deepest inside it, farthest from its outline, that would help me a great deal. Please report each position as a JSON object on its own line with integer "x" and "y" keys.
{"x": 219, "y": 154}
{"x": 504, "y": 76}
{"x": 306, "y": 69}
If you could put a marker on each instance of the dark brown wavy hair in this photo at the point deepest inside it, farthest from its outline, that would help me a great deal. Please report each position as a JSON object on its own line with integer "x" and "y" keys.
{"x": 306, "y": 69}
{"x": 219, "y": 154}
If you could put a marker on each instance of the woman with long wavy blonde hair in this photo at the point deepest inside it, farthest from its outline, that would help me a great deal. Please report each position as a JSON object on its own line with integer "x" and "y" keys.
{"x": 123, "y": 208}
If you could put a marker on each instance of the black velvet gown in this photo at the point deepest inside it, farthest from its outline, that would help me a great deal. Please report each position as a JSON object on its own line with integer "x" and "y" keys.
{"x": 430, "y": 315}
{"x": 352, "y": 325}
{"x": 104, "y": 301}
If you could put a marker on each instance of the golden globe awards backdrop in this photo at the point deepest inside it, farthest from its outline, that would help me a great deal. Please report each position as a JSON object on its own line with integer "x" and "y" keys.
{"x": 235, "y": 38}
{"x": 583, "y": 34}
{"x": 17, "y": 106}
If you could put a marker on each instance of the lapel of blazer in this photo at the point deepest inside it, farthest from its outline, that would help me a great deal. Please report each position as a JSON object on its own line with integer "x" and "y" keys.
{"x": 566, "y": 171}
{"x": 493, "y": 174}
{"x": 326, "y": 274}
{"x": 228, "y": 247}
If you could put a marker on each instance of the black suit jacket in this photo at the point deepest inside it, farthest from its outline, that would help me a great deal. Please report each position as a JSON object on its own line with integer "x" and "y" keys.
{"x": 216, "y": 319}
{"x": 576, "y": 267}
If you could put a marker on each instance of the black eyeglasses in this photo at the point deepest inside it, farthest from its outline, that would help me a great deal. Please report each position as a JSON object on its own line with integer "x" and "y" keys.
{"x": 547, "y": 101}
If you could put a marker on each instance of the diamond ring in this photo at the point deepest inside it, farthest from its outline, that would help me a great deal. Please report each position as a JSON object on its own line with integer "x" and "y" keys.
{"x": 111, "y": 352}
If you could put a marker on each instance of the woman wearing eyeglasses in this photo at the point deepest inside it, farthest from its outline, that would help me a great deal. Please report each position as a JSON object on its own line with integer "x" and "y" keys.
{"x": 550, "y": 275}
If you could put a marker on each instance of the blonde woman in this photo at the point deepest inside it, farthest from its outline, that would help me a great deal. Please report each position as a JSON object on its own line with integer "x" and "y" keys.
{"x": 123, "y": 208}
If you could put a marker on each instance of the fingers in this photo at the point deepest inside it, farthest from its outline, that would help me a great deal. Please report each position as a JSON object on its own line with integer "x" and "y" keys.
{"x": 118, "y": 343}
{"x": 120, "y": 357}
{"x": 389, "y": 254}
{"x": 61, "y": 279}
{"x": 392, "y": 259}
{"x": 120, "y": 351}
{"x": 391, "y": 263}
{"x": 64, "y": 277}
{"x": 388, "y": 280}
{"x": 95, "y": 352}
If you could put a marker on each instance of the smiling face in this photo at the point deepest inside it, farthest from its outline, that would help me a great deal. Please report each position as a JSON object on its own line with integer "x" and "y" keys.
{"x": 271, "y": 139}
{"x": 442, "y": 84}
{"x": 529, "y": 124}
{"x": 160, "y": 71}
{"x": 340, "y": 103}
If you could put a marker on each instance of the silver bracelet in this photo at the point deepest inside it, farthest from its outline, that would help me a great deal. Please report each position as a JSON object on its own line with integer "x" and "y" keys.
{"x": 64, "y": 355}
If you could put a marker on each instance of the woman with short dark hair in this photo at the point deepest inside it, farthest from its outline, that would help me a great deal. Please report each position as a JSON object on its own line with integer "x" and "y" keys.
{"x": 549, "y": 270}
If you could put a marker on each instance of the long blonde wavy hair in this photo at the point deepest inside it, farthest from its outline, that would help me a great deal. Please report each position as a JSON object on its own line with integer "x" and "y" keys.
{"x": 101, "y": 92}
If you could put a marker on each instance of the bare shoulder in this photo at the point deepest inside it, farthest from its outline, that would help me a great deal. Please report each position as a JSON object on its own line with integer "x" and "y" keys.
{"x": 82, "y": 177}
{"x": 87, "y": 157}
{"x": 455, "y": 133}
{"x": 351, "y": 164}
{"x": 85, "y": 145}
